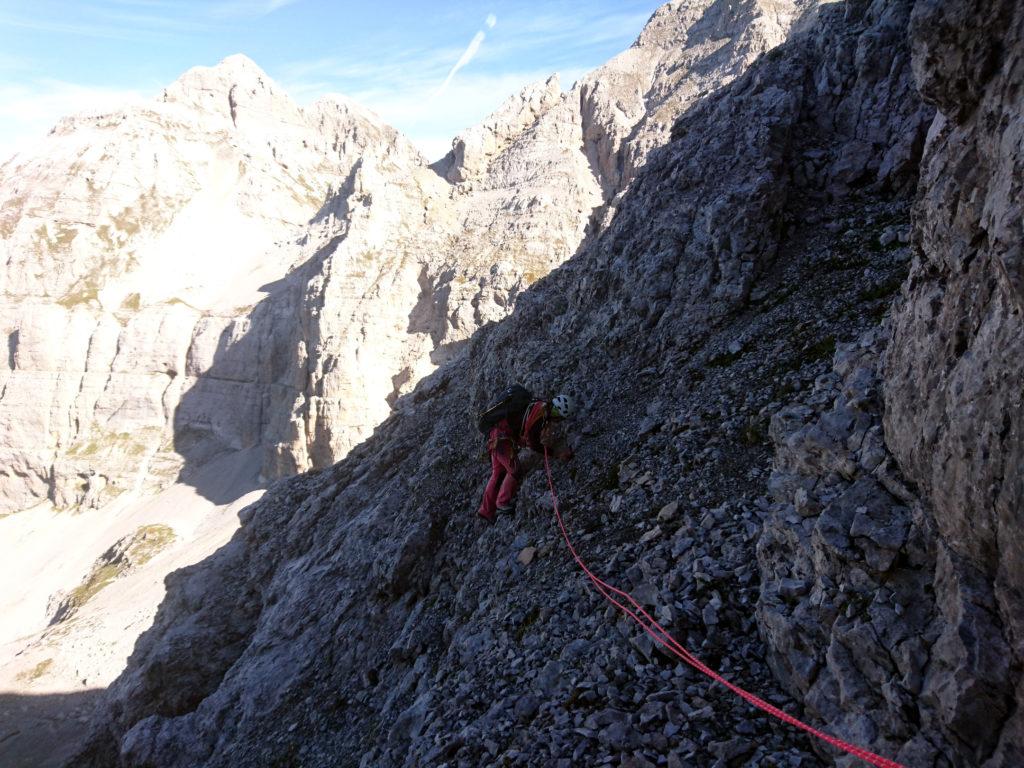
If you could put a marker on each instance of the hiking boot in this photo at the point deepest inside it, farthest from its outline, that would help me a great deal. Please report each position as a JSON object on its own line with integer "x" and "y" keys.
{"x": 490, "y": 519}
{"x": 509, "y": 510}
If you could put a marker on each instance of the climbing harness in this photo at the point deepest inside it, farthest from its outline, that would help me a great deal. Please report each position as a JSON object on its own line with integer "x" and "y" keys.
{"x": 663, "y": 638}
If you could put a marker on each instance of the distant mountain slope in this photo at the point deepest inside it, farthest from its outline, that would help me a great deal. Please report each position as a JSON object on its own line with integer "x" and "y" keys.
{"x": 129, "y": 245}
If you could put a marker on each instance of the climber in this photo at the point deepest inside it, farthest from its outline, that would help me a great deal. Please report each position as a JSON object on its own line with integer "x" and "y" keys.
{"x": 518, "y": 424}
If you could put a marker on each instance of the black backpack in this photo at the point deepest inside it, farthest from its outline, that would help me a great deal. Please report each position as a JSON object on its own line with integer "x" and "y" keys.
{"x": 510, "y": 404}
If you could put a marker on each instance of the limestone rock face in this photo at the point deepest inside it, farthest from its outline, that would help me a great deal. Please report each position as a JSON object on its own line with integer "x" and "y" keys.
{"x": 814, "y": 488}
{"x": 123, "y": 244}
{"x": 222, "y": 288}
{"x": 626, "y": 107}
{"x": 900, "y": 505}
{"x": 686, "y": 51}
{"x": 228, "y": 270}
{"x": 473, "y": 150}
{"x": 953, "y": 386}
{"x": 954, "y": 410}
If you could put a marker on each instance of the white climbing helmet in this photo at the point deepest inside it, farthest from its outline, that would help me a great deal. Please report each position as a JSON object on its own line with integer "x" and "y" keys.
{"x": 563, "y": 406}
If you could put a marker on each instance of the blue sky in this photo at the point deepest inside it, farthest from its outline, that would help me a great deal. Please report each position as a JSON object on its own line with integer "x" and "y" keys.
{"x": 59, "y": 57}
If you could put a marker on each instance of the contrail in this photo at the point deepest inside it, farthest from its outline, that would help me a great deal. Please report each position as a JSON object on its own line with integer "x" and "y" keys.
{"x": 468, "y": 54}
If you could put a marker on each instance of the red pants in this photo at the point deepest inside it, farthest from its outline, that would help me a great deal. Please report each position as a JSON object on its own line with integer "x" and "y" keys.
{"x": 504, "y": 482}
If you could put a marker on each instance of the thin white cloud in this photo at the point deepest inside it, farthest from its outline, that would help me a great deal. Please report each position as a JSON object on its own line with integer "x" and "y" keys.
{"x": 392, "y": 80}
{"x": 398, "y": 82}
{"x": 169, "y": 4}
{"x": 72, "y": 28}
{"x": 464, "y": 59}
{"x": 467, "y": 55}
{"x": 153, "y": 22}
{"x": 375, "y": 64}
{"x": 570, "y": 36}
{"x": 247, "y": 8}
{"x": 144, "y": 19}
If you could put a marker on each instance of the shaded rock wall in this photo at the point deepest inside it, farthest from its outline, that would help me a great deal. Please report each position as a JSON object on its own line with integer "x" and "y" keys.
{"x": 892, "y": 567}
{"x": 231, "y": 271}
{"x": 954, "y": 413}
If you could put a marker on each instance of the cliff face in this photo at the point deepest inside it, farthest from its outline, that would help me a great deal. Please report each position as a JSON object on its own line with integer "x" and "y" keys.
{"x": 953, "y": 392}
{"x": 893, "y": 567}
{"x": 527, "y": 187}
{"x": 815, "y": 485}
{"x": 747, "y": 465}
{"x": 128, "y": 247}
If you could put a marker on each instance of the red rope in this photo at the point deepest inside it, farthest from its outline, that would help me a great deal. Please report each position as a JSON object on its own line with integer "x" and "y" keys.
{"x": 663, "y": 638}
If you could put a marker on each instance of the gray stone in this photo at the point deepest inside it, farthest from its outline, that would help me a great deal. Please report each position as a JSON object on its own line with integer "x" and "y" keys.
{"x": 290, "y": 608}
{"x": 668, "y": 512}
{"x": 526, "y": 708}
{"x": 526, "y": 555}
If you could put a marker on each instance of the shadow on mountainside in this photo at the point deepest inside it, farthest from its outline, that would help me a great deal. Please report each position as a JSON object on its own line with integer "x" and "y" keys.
{"x": 42, "y": 731}
{"x": 361, "y": 611}
{"x": 252, "y": 366}
{"x": 252, "y": 372}
{"x": 263, "y": 373}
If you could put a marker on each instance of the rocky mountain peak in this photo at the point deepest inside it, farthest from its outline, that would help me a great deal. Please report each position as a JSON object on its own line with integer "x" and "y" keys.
{"x": 764, "y": 462}
{"x": 234, "y": 90}
{"x": 473, "y": 150}
{"x": 668, "y": 24}
{"x": 237, "y": 68}
{"x": 181, "y": 242}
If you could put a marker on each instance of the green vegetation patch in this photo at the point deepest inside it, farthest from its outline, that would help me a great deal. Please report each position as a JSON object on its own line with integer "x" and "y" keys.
{"x": 98, "y": 580}
{"x": 725, "y": 359}
{"x": 150, "y": 211}
{"x": 883, "y": 290}
{"x": 134, "y": 444}
{"x": 86, "y": 289}
{"x": 308, "y": 196}
{"x": 824, "y": 348}
{"x": 40, "y": 669}
{"x": 150, "y": 540}
{"x": 83, "y": 295}
{"x": 11, "y": 215}
{"x": 56, "y": 238}
{"x": 755, "y": 432}
{"x": 132, "y": 551}
{"x": 528, "y": 621}
{"x": 530, "y": 277}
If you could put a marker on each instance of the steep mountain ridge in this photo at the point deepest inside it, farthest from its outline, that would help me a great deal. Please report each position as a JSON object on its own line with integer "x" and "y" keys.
{"x": 531, "y": 189}
{"x": 360, "y": 619}
{"x": 133, "y": 234}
